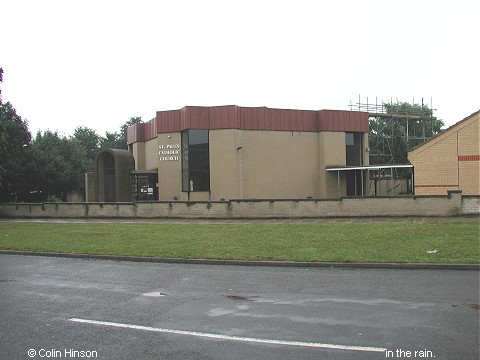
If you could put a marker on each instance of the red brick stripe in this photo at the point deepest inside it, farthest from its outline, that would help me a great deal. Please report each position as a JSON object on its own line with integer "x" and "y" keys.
{"x": 469, "y": 158}
{"x": 429, "y": 186}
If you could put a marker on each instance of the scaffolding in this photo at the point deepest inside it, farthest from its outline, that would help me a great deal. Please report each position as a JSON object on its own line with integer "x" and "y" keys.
{"x": 378, "y": 180}
{"x": 391, "y": 124}
{"x": 395, "y": 128}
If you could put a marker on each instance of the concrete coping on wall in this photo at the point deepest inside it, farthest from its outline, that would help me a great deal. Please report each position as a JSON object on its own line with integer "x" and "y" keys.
{"x": 413, "y": 197}
{"x": 451, "y": 204}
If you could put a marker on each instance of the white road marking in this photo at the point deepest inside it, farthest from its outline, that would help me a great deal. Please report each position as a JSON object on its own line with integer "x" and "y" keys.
{"x": 233, "y": 338}
{"x": 154, "y": 294}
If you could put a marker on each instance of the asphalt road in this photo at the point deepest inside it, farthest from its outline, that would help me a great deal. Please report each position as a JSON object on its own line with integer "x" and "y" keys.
{"x": 56, "y": 307}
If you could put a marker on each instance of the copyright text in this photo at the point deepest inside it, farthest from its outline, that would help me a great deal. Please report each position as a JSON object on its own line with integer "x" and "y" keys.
{"x": 65, "y": 353}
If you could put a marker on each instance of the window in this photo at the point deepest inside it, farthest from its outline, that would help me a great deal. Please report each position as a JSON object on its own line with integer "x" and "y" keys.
{"x": 354, "y": 146}
{"x": 195, "y": 161}
{"x": 349, "y": 139}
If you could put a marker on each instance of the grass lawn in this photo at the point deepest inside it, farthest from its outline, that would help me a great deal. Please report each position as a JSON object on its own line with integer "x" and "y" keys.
{"x": 455, "y": 242}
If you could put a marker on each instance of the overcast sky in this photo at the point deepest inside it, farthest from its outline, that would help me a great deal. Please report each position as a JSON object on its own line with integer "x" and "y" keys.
{"x": 98, "y": 63}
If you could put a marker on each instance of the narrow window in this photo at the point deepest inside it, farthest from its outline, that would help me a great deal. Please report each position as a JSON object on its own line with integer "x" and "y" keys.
{"x": 354, "y": 146}
{"x": 195, "y": 160}
{"x": 354, "y": 149}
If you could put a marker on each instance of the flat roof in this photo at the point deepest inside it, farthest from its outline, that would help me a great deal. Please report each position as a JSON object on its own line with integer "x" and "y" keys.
{"x": 248, "y": 118}
{"x": 369, "y": 167}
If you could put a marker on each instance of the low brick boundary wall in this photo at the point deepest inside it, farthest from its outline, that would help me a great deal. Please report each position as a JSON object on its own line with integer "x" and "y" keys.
{"x": 470, "y": 205}
{"x": 453, "y": 204}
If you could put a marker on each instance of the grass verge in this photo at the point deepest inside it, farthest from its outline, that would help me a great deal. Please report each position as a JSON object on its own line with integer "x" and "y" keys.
{"x": 455, "y": 242}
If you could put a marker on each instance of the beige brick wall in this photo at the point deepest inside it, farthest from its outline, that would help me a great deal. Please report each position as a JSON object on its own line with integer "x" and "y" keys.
{"x": 469, "y": 177}
{"x": 271, "y": 165}
{"x": 437, "y": 165}
{"x": 451, "y": 205}
{"x": 469, "y": 138}
{"x": 169, "y": 171}
{"x": 246, "y": 164}
{"x": 146, "y": 155}
{"x": 332, "y": 153}
{"x": 225, "y": 155}
{"x": 468, "y": 146}
{"x": 151, "y": 154}
{"x": 280, "y": 164}
{"x": 139, "y": 155}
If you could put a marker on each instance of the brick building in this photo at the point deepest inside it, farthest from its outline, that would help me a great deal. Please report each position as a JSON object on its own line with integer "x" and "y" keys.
{"x": 450, "y": 160}
{"x": 232, "y": 152}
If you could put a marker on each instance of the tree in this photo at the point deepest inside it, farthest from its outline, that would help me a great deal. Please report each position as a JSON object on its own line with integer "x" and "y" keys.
{"x": 123, "y": 130}
{"x": 2, "y": 170}
{"x": 111, "y": 141}
{"x": 14, "y": 138}
{"x": 1, "y": 80}
{"x": 119, "y": 140}
{"x": 90, "y": 140}
{"x": 58, "y": 165}
{"x": 402, "y": 127}
{"x": 49, "y": 166}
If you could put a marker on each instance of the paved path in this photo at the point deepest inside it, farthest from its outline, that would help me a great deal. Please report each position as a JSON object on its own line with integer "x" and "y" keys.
{"x": 126, "y": 310}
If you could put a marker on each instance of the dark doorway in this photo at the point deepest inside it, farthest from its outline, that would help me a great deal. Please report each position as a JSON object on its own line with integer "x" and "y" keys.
{"x": 145, "y": 185}
{"x": 354, "y": 183}
{"x": 112, "y": 175}
{"x": 109, "y": 180}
